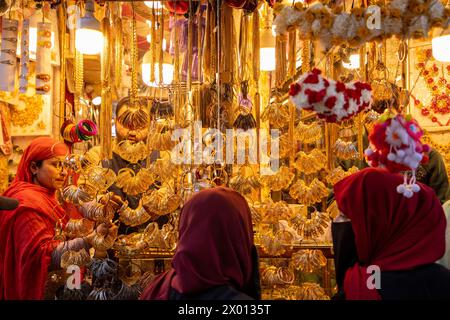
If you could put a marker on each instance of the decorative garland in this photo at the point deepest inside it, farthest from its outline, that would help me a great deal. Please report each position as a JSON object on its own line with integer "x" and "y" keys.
{"x": 401, "y": 18}
{"x": 438, "y": 86}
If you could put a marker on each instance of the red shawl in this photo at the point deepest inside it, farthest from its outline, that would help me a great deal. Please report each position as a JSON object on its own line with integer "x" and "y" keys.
{"x": 214, "y": 246}
{"x": 26, "y": 234}
{"x": 391, "y": 231}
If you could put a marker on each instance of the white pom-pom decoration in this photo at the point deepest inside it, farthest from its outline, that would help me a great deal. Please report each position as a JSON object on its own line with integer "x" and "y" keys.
{"x": 401, "y": 188}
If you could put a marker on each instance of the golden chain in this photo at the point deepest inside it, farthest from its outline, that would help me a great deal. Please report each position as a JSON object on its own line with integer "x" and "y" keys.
{"x": 161, "y": 52}
{"x": 79, "y": 72}
{"x": 119, "y": 52}
{"x": 153, "y": 51}
{"x": 134, "y": 60}
{"x": 305, "y": 56}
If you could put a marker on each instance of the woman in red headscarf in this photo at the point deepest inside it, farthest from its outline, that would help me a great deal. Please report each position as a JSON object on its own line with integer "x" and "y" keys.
{"x": 215, "y": 258}
{"x": 28, "y": 249}
{"x": 381, "y": 229}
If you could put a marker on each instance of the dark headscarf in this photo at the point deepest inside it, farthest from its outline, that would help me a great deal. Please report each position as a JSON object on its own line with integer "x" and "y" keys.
{"x": 215, "y": 248}
{"x": 391, "y": 231}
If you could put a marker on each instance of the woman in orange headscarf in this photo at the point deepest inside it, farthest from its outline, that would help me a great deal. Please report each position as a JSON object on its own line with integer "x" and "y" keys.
{"x": 28, "y": 249}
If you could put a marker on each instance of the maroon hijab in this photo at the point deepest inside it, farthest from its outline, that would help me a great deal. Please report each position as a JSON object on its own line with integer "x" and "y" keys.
{"x": 214, "y": 247}
{"x": 391, "y": 231}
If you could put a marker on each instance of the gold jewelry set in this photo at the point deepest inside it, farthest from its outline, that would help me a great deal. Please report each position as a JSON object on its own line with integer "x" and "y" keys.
{"x": 308, "y": 133}
{"x": 271, "y": 244}
{"x": 130, "y": 151}
{"x": 151, "y": 237}
{"x": 134, "y": 183}
{"x": 27, "y": 116}
{"x": 337, "y": 174}
{"x": 78, "y": 258}
{"x": 245, "y": 181}
{"x": 82, "y": 163}
{"x": 133, "y": 217}
{"x": 313, "y": 227}
{"x": 273, "y": 276}
{"x": 272, "y": 212}
{"x": 308, "y": 194}
{"x": 78, "y": 194}
{"x": 310, "y": 291}
{"x": 285, "y": 146}
{"x": 277, "y": 114}
{"x": 100, "y": 178}
{"x": 345, "y": 150}
{"x": 161, "y": 201}
{"x": 134, "y": 118}
{"x": 78, "y": 228}
{"x": 103, "y": 208}
{"x": 310, "y": 163}
{"x": 160, "y": 138}
{"x": 279, "y": 180}
{"x": 308, "y": 260}
{"x": 105, "y": 242}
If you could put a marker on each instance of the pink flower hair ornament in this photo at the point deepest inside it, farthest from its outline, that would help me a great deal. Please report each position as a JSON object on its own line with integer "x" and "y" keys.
{"x": 395, "y": 145}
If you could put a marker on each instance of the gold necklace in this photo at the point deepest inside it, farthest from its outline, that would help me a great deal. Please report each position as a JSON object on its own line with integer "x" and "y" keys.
{"x": 24, "y": 117}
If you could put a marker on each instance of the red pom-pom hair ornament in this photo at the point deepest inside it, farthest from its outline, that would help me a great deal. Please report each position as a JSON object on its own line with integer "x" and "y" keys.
{"x": 333, "y": 101}
{"x": 395, "y": 145}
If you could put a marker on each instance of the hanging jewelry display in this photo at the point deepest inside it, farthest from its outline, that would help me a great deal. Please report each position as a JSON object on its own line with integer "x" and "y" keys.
{"x": 310, "y": 163}
{"x": 78, "y": 194}
{"x": 272, "y": 212}
{"x": 78, "y": 228}
{"x": 76, "y": 258}
{"x": 24, "y": 57}
{"x": 308, "y": 194}
{"x": 311, "y": 291}
{"x": 131, "y": 152}
{"x": 161, "y": 201}
{"x": 277, "y": 114}
{"x": 245, "y": 119}
{"x": 8, "y": 54}
{"x": 44, "y": 58}
{"x": 337, "y": 174}
{"x": 311, "y": 227}
{"x": 106, "y": 106}
{"x": 134, "y": 183}
{"x": 245, "y": 181}
{"x": 308, "y": 133}
{"x": 280, "y": 180}
{"x": 134, "y": 217}
{"x": 345, "y": 150}
{"x": 308, "y": 260}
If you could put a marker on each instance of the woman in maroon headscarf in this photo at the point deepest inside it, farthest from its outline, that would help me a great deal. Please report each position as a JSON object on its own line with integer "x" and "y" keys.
{"x": 28, "y": 249}
{"x": 378, "y": 226}
{"x": 215, "y": 258}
